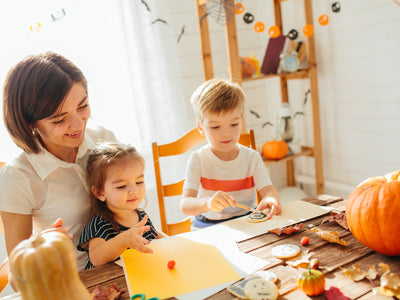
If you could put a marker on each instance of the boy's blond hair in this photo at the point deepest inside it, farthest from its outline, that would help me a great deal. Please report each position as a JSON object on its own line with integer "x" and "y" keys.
{"x": 216, "y": 96}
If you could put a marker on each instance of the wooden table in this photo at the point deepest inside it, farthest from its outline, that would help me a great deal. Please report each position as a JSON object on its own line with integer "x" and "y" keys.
{"x": 332, "y": 258}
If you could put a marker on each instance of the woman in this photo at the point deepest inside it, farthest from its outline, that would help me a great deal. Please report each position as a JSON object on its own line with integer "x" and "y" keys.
{"x": 45, "y": 110}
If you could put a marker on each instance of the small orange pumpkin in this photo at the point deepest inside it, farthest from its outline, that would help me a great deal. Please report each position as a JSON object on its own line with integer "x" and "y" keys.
{"x": 312, "y": 282}
{"x": 275, "y": 149}
{"x": 372, "y": 213}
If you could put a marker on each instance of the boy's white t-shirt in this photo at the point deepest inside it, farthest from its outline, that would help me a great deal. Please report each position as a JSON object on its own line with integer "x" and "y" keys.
{"x": 47, "y": 188}
{"x": 208, "y": 174}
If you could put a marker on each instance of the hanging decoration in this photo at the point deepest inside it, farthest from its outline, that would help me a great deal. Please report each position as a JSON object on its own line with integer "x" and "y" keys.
{"x": 336, "y": 7}
{"x": 274, "y": 31}
{"x": 259, "y": 26}
{"x": 55, "y": 16}
{"x": 221, "y": 10}
{"x": 308, "y": 30}
{"x": 239, "y": 8}
{"x": 248, "y": 18}
{"x": 293, "y": 34}
{"x": 323, "y": 20}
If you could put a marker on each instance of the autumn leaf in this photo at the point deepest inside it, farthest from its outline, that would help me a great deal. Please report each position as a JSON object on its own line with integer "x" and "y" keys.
{"x": 330, "y": 236}
{"x": 338, "y": 217}
{"x": 287, "y": 230}
{"x": 301, "y": 262}
{"x": 335, "y": 293}
{"x": 112, "y": 293}
{"x": 357, "y": 273}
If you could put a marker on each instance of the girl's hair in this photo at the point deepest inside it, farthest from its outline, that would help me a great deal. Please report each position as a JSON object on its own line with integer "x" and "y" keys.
{"x": 100, "y": 159}
{"x": 33, "y": 90}
{"x": 216, "y": 96}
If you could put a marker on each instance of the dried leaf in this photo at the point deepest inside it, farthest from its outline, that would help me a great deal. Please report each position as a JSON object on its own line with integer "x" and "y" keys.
{"x": 330, "y": 236}
{"x": 338, "y": 217}
{"x": 301, "y": 262}
{"x": 372, "y": 273}
{"x": 356, "y": 274}
{"x": 335, "y": 293}
{"x": 112, "y": 293}
{"x": 287, "y": 230}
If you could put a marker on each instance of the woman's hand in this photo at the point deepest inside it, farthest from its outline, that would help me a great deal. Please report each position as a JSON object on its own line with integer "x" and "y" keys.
{"x": 219, "y": 201}
{"x": 271, "y": 206}
{"x": 134, "y": 239}
{"x": 58, "y": 226}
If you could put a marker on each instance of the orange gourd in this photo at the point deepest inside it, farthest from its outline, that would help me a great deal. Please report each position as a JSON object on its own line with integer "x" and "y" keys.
{"x": 43, "y": 267}
{"x": 275, "y": 149}
{"x": 312, "y": 282}
{"x": 372, "y": 213}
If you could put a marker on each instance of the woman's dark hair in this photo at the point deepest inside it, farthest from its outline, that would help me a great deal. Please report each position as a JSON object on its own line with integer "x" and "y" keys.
{"x": 100, "y": 159}
{"x": 33, "y": 90}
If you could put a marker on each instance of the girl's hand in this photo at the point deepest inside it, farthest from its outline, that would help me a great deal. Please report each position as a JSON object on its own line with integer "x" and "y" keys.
{"x": 219, "y": 201}
{"x": 271, "y": 206}
{"x": 58, "y": 226}
{"x": 134, "y": 239}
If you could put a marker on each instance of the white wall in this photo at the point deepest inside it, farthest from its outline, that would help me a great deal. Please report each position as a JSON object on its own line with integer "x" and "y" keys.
{"x": 358, "y": 56}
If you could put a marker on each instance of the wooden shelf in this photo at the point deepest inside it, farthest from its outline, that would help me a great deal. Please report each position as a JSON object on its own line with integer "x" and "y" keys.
{"x": 311, "y": 74}
{"x": 302, "y": 74}
{"x": 305, "y": 151}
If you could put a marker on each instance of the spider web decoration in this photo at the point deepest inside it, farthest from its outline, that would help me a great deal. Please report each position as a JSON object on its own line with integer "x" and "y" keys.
{"x": 222, "y": 11}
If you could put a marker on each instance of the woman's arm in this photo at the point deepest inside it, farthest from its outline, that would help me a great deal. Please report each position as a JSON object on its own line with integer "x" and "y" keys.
{"x": 17, "y": 227}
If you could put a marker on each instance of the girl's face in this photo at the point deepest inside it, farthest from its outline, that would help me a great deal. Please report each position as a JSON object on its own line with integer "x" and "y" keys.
{"x": 222, "y": 131}
{"x": 64, "y": 131}
{"x": 124, "y": 187}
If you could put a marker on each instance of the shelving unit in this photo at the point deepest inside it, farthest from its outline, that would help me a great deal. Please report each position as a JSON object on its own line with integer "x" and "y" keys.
{"x": 235, "y": 74}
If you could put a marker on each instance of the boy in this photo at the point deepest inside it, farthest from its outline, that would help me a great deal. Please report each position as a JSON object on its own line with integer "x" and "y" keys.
{"x": 223, "y": 172}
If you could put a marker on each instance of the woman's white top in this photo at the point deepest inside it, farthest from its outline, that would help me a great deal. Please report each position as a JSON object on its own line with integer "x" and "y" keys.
{"x": 48, "y": 188}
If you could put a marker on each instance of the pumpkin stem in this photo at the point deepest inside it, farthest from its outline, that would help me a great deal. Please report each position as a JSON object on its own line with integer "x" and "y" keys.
{"x": 38, "y": 240}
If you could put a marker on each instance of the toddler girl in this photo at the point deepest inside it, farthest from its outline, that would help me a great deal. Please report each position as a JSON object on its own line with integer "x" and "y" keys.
{"x": 116, "y": 181}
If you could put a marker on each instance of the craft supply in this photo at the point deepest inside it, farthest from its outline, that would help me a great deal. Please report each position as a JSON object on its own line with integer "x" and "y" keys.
{"x": 261, "y": 289}
{"x": 247, "y": 208}
{"x": 285, "y": 251}
{"x": 256, "y": 217}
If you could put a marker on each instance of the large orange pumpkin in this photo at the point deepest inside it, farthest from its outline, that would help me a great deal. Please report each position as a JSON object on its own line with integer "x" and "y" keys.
{"x": 275, "y": 149}
{"x": 372, "y": 213}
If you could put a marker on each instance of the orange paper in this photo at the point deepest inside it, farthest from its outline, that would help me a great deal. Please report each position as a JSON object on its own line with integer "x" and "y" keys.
{"x": 198, "y": 266}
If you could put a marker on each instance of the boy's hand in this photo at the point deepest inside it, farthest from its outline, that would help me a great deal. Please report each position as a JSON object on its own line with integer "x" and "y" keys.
{"x": 219, "y": 201}
{"x": 271, "y": 204}
{"x": 134, "y": 237}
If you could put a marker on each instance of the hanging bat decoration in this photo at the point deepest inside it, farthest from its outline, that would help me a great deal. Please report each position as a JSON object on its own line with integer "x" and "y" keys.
{"x": 255, "y": 113}
{"x": 297, "y": 113}
{"x": 146, "y": 5}
{"x": 306, "y": 97}
{"x": 267, "y": 123}
{"x": 159, "y": 20}
{"x": 203, "y": 17}
{"x": 182, "y": 32}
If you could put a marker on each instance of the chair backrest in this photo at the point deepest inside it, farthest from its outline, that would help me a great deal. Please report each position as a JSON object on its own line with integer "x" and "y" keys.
{"x": 187, "y": 142}
{"x": 4, "y": 264}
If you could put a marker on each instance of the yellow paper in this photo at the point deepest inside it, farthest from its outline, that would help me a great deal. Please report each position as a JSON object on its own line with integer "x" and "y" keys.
{"x": 198, "y": 266}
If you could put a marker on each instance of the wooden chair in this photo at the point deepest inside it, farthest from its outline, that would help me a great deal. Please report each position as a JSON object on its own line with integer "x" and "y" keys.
{"x": 182, "y": 145}
{"x": 4, "y": 264}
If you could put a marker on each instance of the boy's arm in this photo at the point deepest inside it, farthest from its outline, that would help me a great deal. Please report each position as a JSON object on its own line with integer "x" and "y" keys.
{"x": 270, "y": 200}
{"x": 192, "y": 206}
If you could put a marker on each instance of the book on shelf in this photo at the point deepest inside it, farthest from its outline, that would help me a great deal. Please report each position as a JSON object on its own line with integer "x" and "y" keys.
{"x": 271, "y": 59}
